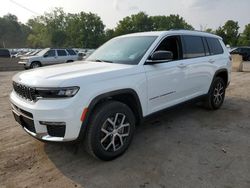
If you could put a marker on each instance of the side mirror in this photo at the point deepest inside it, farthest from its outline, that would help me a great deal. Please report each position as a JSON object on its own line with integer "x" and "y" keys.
{"x": 45, "y": 55}
{"x": 160, "y": 56}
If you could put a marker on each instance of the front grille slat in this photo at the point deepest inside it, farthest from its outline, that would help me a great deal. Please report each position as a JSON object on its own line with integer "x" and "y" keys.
{"x": 30, "y": 95}
{"x": 24, "y": 91}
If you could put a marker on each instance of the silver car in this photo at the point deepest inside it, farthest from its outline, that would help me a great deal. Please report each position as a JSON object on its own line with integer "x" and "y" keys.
{"x": 49, "y": 56}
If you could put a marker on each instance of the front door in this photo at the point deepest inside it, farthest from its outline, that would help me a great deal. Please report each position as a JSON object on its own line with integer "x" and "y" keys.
{"x": 165, "y": 79}
{"x": 49, "y": 58}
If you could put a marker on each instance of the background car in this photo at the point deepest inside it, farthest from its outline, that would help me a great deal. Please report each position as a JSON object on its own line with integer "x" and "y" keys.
{"x": 4, "y": 53}
{"x": 243, "y": 51}
{"x": 49, "y": 56}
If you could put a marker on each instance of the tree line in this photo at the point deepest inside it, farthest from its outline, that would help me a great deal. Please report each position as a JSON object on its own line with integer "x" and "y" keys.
{"x": 86, "y": 30}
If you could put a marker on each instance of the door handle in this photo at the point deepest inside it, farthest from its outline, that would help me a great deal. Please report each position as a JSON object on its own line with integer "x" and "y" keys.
{"x": 182, "y": 65}
{"x": 211, "y": 61}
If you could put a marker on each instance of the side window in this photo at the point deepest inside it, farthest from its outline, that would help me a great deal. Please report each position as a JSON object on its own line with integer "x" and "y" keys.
{"x": 50, "y": 53}
{"x": 71, "y": 52}
{"x": 214, "y": 46}
{"x": 193, "y": 47}
{"x": 171, "y": 44}
{"x": 61, "y": 53}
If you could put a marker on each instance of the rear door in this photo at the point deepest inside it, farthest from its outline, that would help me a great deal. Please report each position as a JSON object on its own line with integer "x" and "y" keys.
{"x": 72, "y": 54}
{"x": 199, "y": 67}
{"x": 62, "y": 56}
{"x": 245, "y": 52}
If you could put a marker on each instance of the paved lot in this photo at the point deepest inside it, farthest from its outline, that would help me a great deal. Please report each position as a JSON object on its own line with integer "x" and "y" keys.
{"x": 184, "y": 147}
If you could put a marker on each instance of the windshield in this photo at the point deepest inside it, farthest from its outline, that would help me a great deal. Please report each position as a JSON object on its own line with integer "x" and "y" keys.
{"x": 42, "y": 52}
{"x": 124, "y": 50}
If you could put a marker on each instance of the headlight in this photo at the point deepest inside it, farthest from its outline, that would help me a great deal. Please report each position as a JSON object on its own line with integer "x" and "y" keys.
{"x": 56, "y": 92}
{"x": 24, "y": 60}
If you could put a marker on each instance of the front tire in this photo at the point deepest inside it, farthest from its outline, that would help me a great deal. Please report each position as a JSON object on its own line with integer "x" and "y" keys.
{"x": 216, "y": 94}
{"x": 34, "y": 65}
{"x": 110, "y": 131}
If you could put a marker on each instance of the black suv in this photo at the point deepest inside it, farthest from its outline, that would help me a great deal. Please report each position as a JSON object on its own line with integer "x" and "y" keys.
{"x": 243, "y": 51}
{"x": 4, "y": 53}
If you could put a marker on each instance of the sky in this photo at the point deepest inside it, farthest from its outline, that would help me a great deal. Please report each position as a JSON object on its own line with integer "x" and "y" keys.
{"x": 201, "y": 14}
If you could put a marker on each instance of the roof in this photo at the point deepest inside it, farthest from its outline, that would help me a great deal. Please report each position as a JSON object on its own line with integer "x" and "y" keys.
{"x": 171, "y": 32}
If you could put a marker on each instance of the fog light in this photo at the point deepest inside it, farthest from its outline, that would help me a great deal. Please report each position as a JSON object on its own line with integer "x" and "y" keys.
{"x": 52, "y": 123}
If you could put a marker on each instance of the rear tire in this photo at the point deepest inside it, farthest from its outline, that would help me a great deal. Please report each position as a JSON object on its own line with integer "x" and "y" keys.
{"x": 216, "y": 94}
{"x": 110, "y": 130}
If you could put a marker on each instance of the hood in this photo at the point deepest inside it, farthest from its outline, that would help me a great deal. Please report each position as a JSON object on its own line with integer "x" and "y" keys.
{"x": 59, "y": 75}
{"x": 29, "y": 57}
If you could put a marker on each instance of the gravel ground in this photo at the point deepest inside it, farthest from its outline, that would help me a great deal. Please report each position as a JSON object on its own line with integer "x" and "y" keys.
{"x": 183, "y": 147}
{"x": 10, "y": 64}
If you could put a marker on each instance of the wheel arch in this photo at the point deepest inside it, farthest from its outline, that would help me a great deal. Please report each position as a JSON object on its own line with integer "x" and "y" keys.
{"x": 36, "y": 61}
{"x": 223, "y": 73}
{"x": 127, "y": 96}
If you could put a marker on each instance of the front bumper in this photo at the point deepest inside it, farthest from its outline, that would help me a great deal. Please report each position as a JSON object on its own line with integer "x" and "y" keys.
{"x": 30, "y": 116}
{"x": 24, "y": 63}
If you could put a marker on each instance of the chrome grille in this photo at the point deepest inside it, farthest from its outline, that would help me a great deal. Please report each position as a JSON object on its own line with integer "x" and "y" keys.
{"x": 25, "y": 92}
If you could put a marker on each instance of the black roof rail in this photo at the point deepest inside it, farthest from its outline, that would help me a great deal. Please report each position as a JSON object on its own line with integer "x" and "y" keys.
{"x": 188, "y": 30}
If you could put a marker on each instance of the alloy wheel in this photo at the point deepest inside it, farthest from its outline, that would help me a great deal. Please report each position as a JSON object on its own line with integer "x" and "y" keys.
{"x": 114, "y": 132}
{"x": 218, "y": 93}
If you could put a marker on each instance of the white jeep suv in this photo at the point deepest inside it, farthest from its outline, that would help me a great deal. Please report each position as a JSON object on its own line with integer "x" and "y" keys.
{"x": 49, "y": 56}
{"x": 128, "y": 78}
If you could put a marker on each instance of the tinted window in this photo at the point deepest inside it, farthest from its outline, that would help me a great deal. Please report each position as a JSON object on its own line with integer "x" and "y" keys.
{"x": 71, "y": 52}
{"x": 61, "y": 53}
{"x": 4, "y": 53}
{"x": 171, "y": 44}
{"x": 193, "y": 46}
{"x": 214, "y": 46}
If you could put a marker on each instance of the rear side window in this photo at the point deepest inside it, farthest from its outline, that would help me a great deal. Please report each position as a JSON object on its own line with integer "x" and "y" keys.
{"x": 61, "y": 53}
{"x": 193, "y": 47}
{"x": 71, "y": 52}
{"x": 214, "y": 46}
